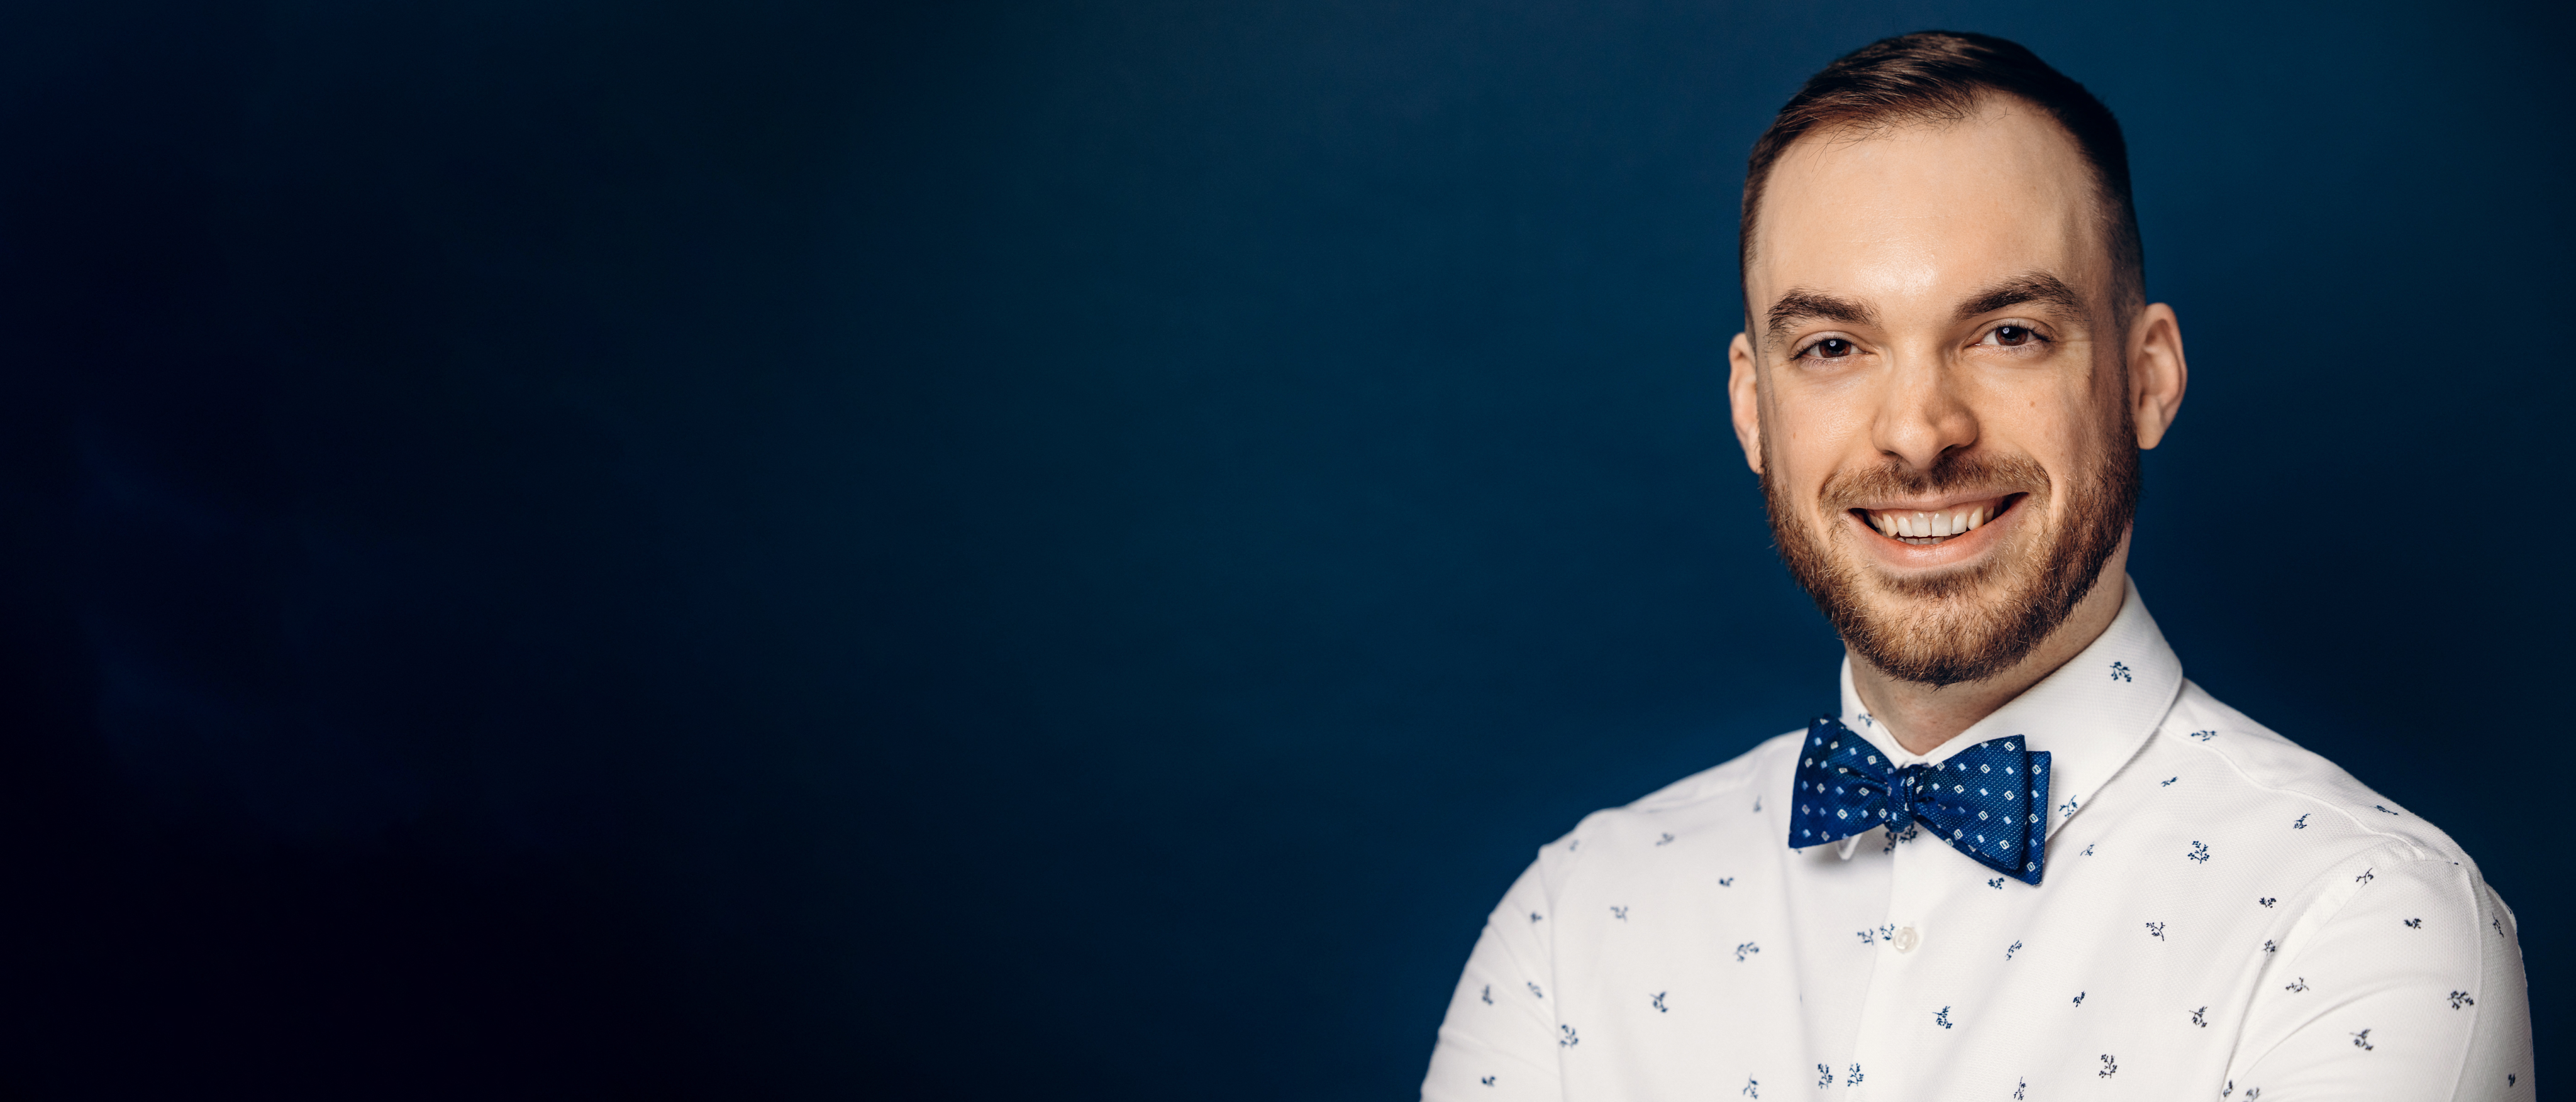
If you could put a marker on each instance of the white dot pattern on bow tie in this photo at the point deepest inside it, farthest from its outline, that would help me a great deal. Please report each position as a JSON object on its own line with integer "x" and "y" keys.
{"x": 1938, "y": 795}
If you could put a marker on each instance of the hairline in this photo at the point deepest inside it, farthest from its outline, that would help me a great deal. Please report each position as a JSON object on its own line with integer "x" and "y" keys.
{"x": 2126, "y": 296}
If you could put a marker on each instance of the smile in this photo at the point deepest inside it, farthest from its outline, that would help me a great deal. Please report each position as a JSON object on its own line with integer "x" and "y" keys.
{"x": 1925, "y": 527}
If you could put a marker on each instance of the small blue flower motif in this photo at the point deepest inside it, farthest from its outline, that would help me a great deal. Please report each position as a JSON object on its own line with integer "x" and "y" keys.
{"x": 2364, "y": 878}
{"x": 2296, "y": 985}
{"x": 2270, "y": 946}
{"x": 2267, "y": 901}
{"x": 1659, "y": 1003}
{"x": 2200, "y": 1017}
{"x": 1745, "y": 950}
{"x": 1488, "y": 1080}
{"x": 2088, "y": 849}
{"x": 2067, "y": 810}
{"x": 1533, "y": 916}
{"x": 2020, "y": 1085}
{"x": 1565, "y": 1037}
{"x": 1824, "y": 1076}
{"x": 2110, "y": 1067}
{"x": 2156, "y": 930}
{"x": 1867, "y": 937}
{"x": 2199, "y": 853}
{"x": 1665, "y": 840}
{"x": 1620, "y": 913}
{"x": 2302, "y": 824}
{"x": 1996, "y": 883}
{"x": 2383, "y": 807}
{"x": 1726, "y": 881}
{"x": 2361, "y": 1041}
{"x": 1535, "y": 993}
{"x": 2120, "y": 672}
{"x": 1854, "y": 1081}
{"x": 2079, "y": 998}
{"x": 2168, "y": 782}
{"x": 2460, "y": 999}
{"x": 1752, "y": 1087}
{"x": 2414, "y": 924}
{"x": 1488, "y": 995}
{"x": 1942, "y": 1019}
{"x": 2204, "y": 736}
{"x": 2011, "y": 949}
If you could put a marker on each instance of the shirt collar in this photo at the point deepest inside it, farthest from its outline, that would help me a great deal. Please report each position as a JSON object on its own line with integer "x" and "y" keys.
{"x": 2091, "y": 715}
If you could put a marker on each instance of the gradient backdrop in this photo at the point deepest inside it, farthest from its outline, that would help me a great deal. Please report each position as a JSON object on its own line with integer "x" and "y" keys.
{"x": 771, "y": 550}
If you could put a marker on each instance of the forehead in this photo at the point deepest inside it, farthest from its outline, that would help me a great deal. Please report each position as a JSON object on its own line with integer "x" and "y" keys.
{"x": 1927, "y": 208}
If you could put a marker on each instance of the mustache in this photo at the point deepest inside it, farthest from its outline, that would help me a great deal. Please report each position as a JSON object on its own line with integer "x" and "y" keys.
{"x": 1953, "y": 472}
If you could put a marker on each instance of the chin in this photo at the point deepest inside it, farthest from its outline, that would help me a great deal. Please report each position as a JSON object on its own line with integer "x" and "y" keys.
{"x": 1974, "y": 628}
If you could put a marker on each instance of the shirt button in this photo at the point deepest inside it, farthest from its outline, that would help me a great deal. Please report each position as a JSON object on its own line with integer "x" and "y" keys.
{"x": 1907, "y": 939}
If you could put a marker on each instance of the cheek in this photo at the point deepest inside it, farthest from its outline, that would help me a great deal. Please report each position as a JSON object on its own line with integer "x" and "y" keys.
{"x": 1817, "y": 433}
{"x": 2057, "y": 422}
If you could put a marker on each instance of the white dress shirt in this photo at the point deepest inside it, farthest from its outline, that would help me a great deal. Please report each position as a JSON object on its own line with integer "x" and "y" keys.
{"x": 2221, "y": 915}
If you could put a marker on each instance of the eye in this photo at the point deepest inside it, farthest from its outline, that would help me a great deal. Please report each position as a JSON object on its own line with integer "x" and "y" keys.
{"x": 2012, "y": 336}
{"x": 1831, "y": 348}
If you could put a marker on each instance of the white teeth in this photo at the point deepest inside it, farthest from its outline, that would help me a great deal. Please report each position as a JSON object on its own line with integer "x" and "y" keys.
{"x": 1929, "y": 525}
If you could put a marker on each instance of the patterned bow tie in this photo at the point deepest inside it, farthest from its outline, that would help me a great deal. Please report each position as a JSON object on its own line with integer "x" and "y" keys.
{"x": 1988, "y": 801}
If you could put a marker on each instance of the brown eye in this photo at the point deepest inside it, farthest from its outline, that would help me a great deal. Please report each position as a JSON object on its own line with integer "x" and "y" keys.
{"x": 1832, "y": 348}
{"x": 2010, "y": 335}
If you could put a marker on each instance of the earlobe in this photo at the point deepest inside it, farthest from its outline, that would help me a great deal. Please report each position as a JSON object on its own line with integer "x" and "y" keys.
{"x": 2158, "y": 374}
{"x": 1744, "y": 398}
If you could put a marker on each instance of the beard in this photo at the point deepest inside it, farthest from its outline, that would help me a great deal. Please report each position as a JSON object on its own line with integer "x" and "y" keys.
{"x": 1969, "y": 623}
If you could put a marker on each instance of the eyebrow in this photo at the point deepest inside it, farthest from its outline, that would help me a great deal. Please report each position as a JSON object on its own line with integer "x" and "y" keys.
{"x": 1800, "y": 304}
{"x": 2038, "y": 287}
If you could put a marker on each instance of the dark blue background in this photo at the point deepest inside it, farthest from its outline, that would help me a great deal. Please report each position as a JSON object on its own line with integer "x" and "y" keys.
{"x": 567, "y": 549}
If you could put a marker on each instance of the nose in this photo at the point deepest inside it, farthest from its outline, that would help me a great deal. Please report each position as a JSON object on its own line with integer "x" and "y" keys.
{"x": 1922, "y": 414}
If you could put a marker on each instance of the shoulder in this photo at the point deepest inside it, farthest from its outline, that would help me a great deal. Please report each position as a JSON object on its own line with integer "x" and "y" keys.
{"x": 1724, "y": 805}
{"x": 2273, "y": 777}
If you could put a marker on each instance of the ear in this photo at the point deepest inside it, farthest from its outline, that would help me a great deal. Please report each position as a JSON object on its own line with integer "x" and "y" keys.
{"x": 1744, "y": 393}
{"x": 2156, "y": 372}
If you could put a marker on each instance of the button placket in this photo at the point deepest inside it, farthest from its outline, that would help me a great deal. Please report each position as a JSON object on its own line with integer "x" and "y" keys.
{"x": 1892, "y": 990}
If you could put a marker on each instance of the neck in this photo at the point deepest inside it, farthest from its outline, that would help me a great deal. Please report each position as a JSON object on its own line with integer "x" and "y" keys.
{"x": 1921, "y": 717}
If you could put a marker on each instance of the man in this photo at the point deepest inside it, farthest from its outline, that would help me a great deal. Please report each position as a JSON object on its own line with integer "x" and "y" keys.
{"x": 2028, "y": 859}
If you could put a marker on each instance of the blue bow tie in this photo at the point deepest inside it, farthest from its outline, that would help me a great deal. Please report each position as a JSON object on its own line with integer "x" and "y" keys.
{"x": 1989, "y": 801}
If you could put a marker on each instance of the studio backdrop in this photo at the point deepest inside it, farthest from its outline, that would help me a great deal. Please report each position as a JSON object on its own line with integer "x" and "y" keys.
{"x": 1016, "y": 550}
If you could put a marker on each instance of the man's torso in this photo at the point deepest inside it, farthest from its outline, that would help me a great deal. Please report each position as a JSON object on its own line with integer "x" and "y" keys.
{"x": 2218, "y": 906}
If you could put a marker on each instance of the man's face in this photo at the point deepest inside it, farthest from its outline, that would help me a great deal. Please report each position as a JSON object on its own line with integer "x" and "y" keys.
{"x": 1932, "y": 386}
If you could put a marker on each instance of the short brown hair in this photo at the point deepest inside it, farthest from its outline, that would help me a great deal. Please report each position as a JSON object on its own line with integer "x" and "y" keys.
{"x": 1939, "y": 75}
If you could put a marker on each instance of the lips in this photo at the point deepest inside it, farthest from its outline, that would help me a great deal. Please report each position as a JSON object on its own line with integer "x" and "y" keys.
{"x": 1930, "y": 526}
